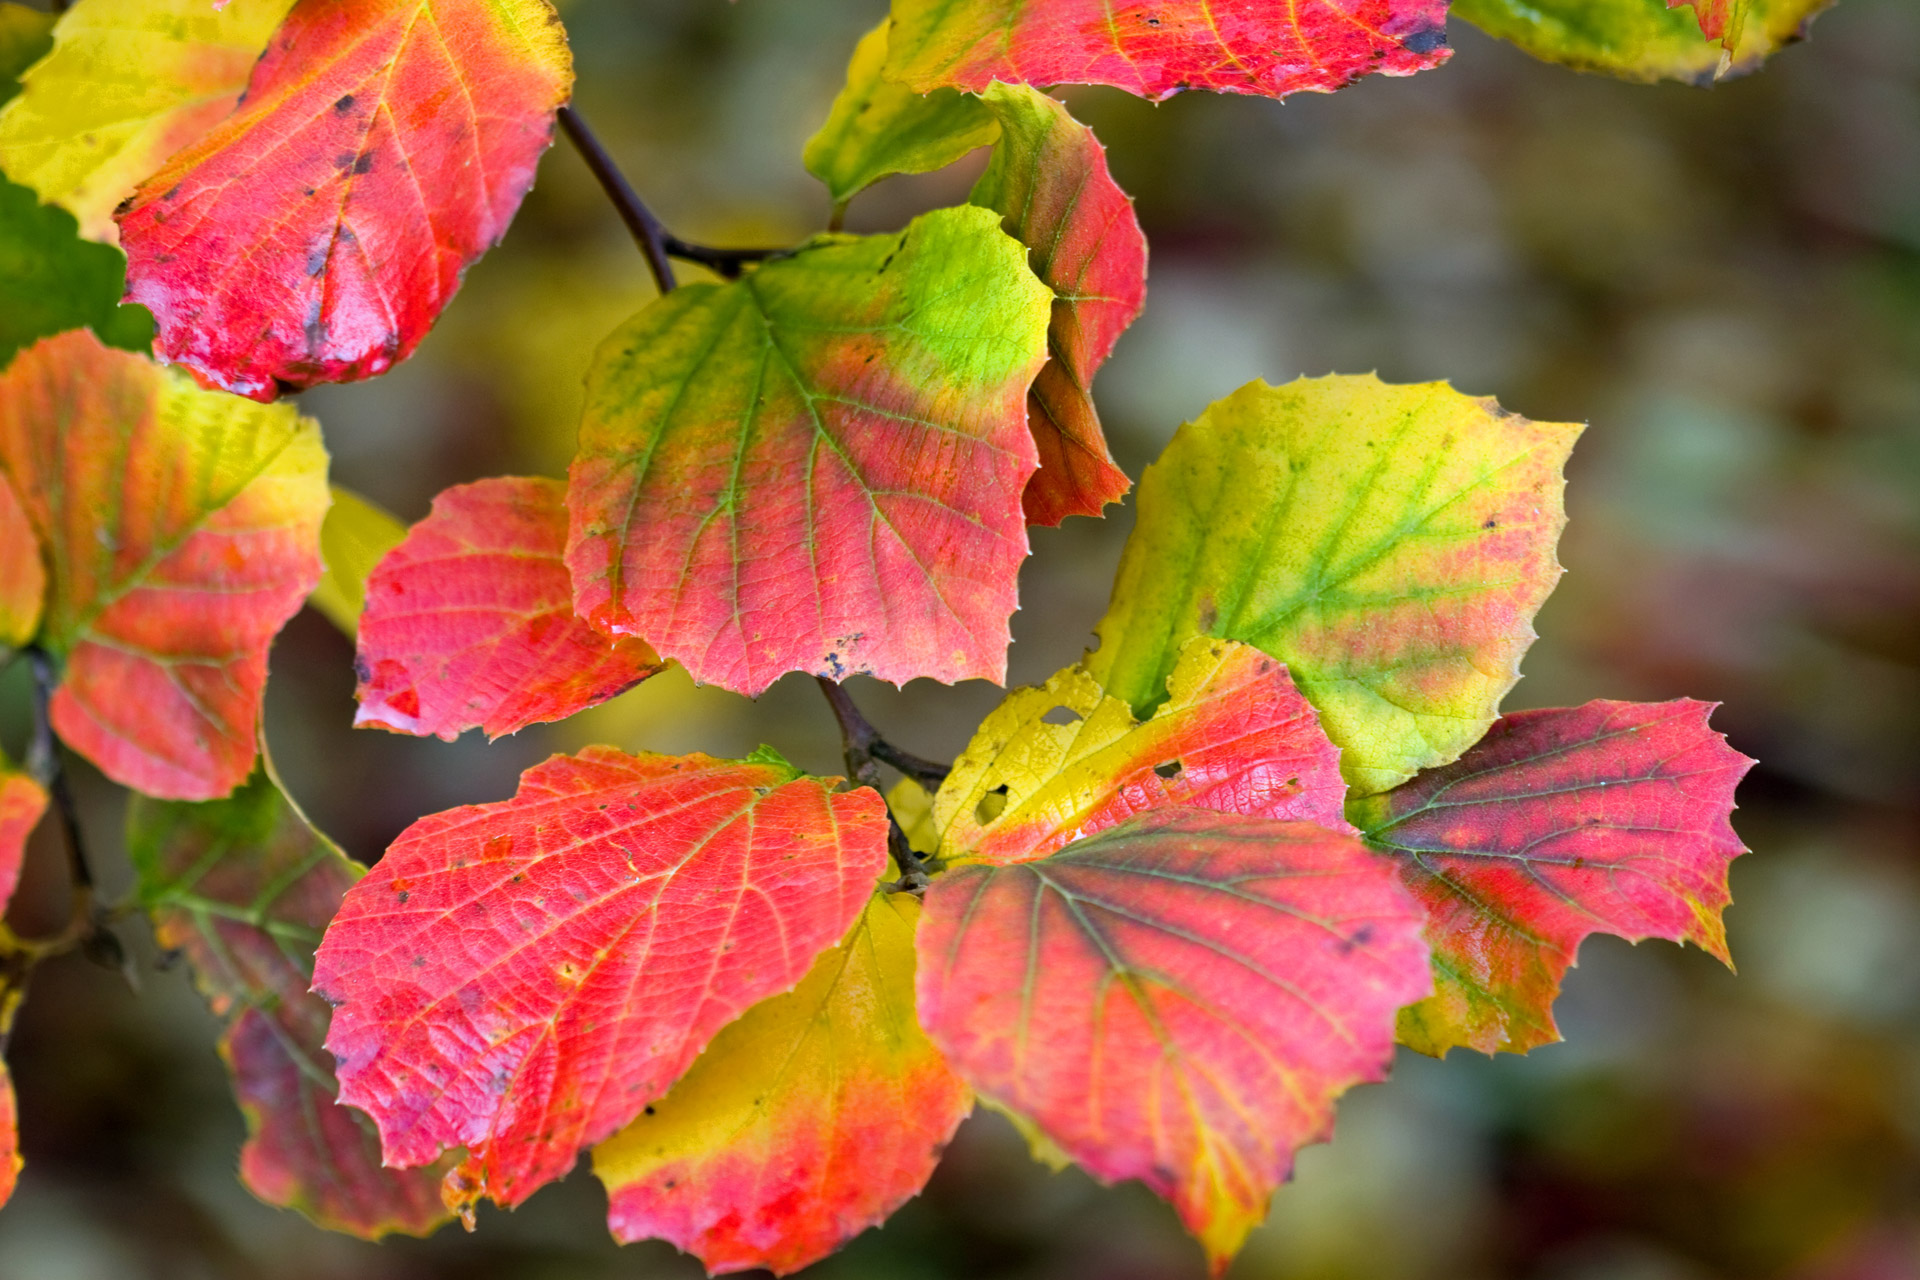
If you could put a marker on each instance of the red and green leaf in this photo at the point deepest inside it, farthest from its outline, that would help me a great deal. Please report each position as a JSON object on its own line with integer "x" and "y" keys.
{"x": 1606, "y": 818}
{"x": 469, "y": 622}
{"x": 242, "y": 887}
{"x": 1062, "y": 761}
{"x": 22, "y": 801}
{"x": 1049, "y": 181}
{"x": 807, "y": 1121}
{"x": 380, "y": 148}
{"x": 180, "y": 529}
{"x": 1157, "y": 48}
{"x": 818, "y": 467}
{"x": 1179, "y": 999}
{"x": 1390, "y": 544}
{"x": 23, "y": 578}
{"x": 522, "y": 978}
{"x": 126, "y": 85}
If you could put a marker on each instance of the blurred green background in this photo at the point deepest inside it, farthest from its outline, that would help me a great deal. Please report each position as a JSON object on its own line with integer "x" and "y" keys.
{"x": 1724, "y": 282}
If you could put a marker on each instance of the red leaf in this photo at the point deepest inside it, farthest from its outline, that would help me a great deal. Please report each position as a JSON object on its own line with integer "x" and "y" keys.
{"x": 21, "y": 804}
{"x": 1179, "y": 999}
{"x": 1605, "y": 818}
{"x": 1049, "y": 178}
{"x": 1156, "y": 48}
{"x": 810, "y": 1119}
{"x": 1234, "y": 735}
{"x": 469, "y": 622}
{"x": 818, "y": 467}
{"x": 181, "y": 529}
{"x": 242, "y": 888}
{"x": 381, "y": 147}
{"x": 521, "y": 978}
{"x": 23, "y": 578}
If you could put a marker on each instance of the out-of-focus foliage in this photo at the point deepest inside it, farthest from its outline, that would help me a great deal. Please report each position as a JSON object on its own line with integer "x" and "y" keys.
{"x": 1724, "y": 282}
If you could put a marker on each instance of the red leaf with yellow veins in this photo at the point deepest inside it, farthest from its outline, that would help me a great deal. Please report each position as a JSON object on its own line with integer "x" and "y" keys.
{"x": 469, "y": 622}
{"x": 1157, "y": 48}
{"x": 1179, "y": 999}
{"x": 21, "y": 803}
{"x": 318, "y": 232}
{"x": 1606, "y": 818}
{"x": 23, "y": 578}
{"x": 181, "y": 530}
{"x": 1062, "y": 761}
{"x": 812, "y": 1118}
{"x": 242, "y": 888}
{"x": 818, "y": 467}
{"x": 1049, "y": 179}
{"x": 522, "y": 978}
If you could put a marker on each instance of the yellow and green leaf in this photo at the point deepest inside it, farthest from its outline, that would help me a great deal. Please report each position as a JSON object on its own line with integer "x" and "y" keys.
{"x": 1646, "y": 39}
{"x": 1390, "y": 544}
{"x": 353, "y": 538}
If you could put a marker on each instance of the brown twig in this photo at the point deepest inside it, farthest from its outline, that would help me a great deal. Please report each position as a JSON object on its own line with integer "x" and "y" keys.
{"x": 866, "y": 750}
{"x": 657, "y": 243}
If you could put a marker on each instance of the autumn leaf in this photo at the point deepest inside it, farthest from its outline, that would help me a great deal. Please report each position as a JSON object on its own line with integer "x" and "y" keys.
{"x": 128, "y": 83}
{"x": 1048, "y": 179}
{"x": 23, "y": 578}
{"x": 1178, "y": 999}
{"x": 812, "y": 1118}
{"x": 1065, "y": 760}
{"x": 1605, "y": 818}
{"x": 469, "y": 622}
{"x": 818, "y": 467}
{"x": 877, "y": 128}
{"x": 1157, "y": 48}
{"x": 354, "y": 537}
{"x": 317, "y": 233}
{"x": 1390, "y": 544}
{"x": 242, "y": 887}
{"x": 180, "y": 529}
{"x": 522, "y": 978}
{"x": 1640, "y": 40}
{"x": 22, "y": 801}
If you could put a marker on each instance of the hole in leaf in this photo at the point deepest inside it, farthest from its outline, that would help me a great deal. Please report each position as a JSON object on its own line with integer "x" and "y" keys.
{"x": 1171, "y": 769}
{"x": 1061, "y": 715}
{"x": 991, "y": 805}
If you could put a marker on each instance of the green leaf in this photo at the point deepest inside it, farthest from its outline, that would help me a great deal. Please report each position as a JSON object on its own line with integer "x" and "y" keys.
{"x": 1642, "y": 39}
{"x": 1390, "y": 544}
{"x": 51, "y": 280}
{"x": 878, "y": 127}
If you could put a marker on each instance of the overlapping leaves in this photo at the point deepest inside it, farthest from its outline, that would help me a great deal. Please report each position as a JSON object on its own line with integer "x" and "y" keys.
{"x": 243, "y": 887}
{"x": 521, "y": 979}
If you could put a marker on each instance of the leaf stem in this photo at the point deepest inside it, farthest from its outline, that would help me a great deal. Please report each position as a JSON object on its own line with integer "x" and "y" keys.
{"x": 43, "y": 765}
{"x": 866, "y": 750}
{"x": 657, "y": 243}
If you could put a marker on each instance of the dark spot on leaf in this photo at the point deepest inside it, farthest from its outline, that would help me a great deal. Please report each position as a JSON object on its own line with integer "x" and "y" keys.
{"x": 364, "y": 164}
{"x": 1491, "y": 524}
{"x": 344, "y": 105}
{"x": 648, "y": 1111}
{"x": 1171, "y": 769}
{"x": 1426, "y": 41}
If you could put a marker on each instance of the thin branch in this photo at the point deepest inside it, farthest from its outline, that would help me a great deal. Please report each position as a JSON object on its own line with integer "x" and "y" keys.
{"x": 43, "y": 764}
{"x": 655, "y": 241}
{"x": 865, "y": 752}
{"x": 647, "y": 231}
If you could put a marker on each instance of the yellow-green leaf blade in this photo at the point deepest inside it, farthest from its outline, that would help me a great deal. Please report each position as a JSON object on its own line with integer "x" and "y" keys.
{"x": 1390, "y": 544}
{"x": 353, "y": 538}
{"x": 1644, "y": 39}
